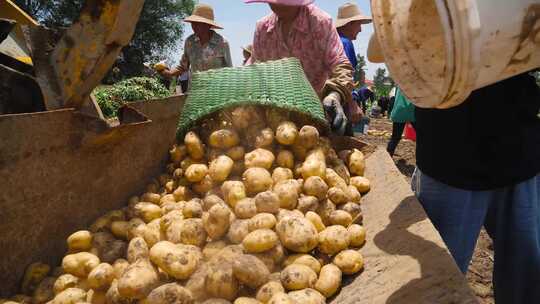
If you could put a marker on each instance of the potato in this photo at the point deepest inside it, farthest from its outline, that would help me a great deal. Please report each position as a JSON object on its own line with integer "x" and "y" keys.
{"x": 259, "y": 158}
{"x": 212, "y": 249}
{"x": 315, "y": 164}
{"x": 70, "y": 296}
{"x": 137, "y": 249}
{"x": 353, "y": 209}
{"x": 281, "y": 174}
{"x": 246, "y": 300}
{"x": 233, "y": 192}
{"x": 333, "y": 240}
{"x": 277, "y": 253}
{"x": 224, "y": 139}
{"x": 340, "y": 217}
{"x": 193, "y": 209}
{"x": 196, "y": 172}
{"x": 287, "y": 193}
{"x": 307, "y": 296}
{"x": 147, "y": 211}
{"x": 101, "y": 277}
{"x": 353, "y": 194}
{"x": 262, "y": 221}
{"x": 64, "y": 282}
{"x": 245, "y": 208}
{"x": 357, "y": 235}
{"x": 337, "y": 196}
{"x": 257, "y": 180}
{"x": 285, "y": 159}
{"x": 303, "y": 259}
{"x": 177, "y": 153}
{"x": 326, "y": 207}
{"x": 138, "y": 280}
{"x": 281, "y": 298}
{"x": 203, "y": 186}
{"x": 315, "y": 186}
{"x": 170, "y": 293}
{"x": 80, "y": 264}
{"x": 349, "y": 261}
{"x": 268, "y": 290}
{"x": 119, "y": 267}
{"x": 308, "y": 137}
{"x": 329, "y": 280}
{"x": 267, "y": 202}
{"x": 194, "y": 146}
{"x": 297, "y": 234}
{"x": 79, "y": 241}
{"x": 334, "y": 180}
{"x": 341, "y": 169}
{"x": 221, "y": 282}
{"x": 298, "y": 276}
{"x": 316, "y": 220}
{"x": 107, "y": 248}
{"x": 260, "y": 240}
{"x": 300, "y": 152}
{"x": 33, "y": 275}
{"x": 120, "y": 229}
{"x": 196, "y": 283}
{"x": 182, "y": 193}
{"x": 238, "y": 230}
{"x": 216, "y": 301}
{"x": 153, "y": 233}
{"x": 283, "y": 213}
{"x": 216, "y": 222}
{"x": 192, "y": 232}
{"x": 264, "y": 138}
{"x": 236, "y": 153}
{"x": 307, "y": 203}
{"x": 361, "y": 183}
{"x": 250, "y": 271}
{"x": 96, "y": 297}
{"x": 44, "y": 291}
{"x": 169, "y": 198}
{"x": 151, "y": 198}
{"x": 357, "y": 163}
{"x": 286, "y": 133}
{"x": 220, "y": 168}
{"x": 211, "y": 200}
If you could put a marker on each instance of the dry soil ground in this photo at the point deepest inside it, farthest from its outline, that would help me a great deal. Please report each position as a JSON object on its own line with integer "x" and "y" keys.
{"x": 480, "y": 270}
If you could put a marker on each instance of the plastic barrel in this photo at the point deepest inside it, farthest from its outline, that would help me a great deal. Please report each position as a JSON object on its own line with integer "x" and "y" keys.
{"x": 440, "y": 51}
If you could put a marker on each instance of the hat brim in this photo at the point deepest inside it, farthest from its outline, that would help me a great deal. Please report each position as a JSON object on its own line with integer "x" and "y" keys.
{"x": 374, "y": 52}
{"x": 361, "y": 18}
{"x": 199, "y": 19}
{"x": 299, "y": 3}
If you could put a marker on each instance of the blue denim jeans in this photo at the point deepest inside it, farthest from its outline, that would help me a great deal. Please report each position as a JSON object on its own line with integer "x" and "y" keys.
{"x": 511, "y": 217}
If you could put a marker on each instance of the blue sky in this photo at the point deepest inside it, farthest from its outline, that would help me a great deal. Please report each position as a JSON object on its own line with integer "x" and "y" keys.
{"x": 238, "y": 20}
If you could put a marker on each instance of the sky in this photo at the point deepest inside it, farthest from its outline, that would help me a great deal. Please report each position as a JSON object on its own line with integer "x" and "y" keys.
{"x": 238, "y": 20}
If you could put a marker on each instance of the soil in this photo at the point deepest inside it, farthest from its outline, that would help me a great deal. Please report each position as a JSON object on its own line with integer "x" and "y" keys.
{"x": 480, "y": 271}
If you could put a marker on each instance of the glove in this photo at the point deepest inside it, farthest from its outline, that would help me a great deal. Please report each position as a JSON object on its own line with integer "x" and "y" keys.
{"x": 335, "y": 113}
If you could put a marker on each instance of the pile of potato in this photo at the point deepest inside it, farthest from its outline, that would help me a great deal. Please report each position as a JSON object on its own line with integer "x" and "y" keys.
{"x": 252, "y": 209}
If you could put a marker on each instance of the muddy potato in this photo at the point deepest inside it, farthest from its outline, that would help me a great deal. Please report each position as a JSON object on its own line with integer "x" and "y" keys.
{"x": 337, "y": 196}
{"x": 298, "y": 276}
{"x": 283, "y": 213}
{"x": 196, "y": 283}
{"x": 259, "y": 158}
{"x": 315, "y": 164}
{"x": 349, "y": 261}
{"x": 357, "y": 162}
{"x": 287, "y": 193}
{"x": 329, "y": 280}
{"x": 326, "y": 207}
{"x": 250, "y": 271}
{"x": 334, "y": 180}
{"x": 193, "y": 209}
{"x": 238, "y": 230}
{"x": 357, "y": 235}
{"x": 333, "y": 240}
{"x": 80, "y": 241}
{"x": 169, "y": 187}
{"x": 196, "y": 172}
{"x": 153, "y": 233}
{"x": 221, "y": 282}
{"x": 262, "y": 221}
{"x": 264, "y": 138}
{"x": 119, "y": 267}
{"x": 361, "y": 183}
{"x": 147, "y": 211}
{"x": 138, "y": 280}
{"x": 268, "y": 290}
{"x": 236, "y": 153}
{"x": 303, "y": 259}
{"x": 307, "y": 203}
{"x": 224, "y": 139}
{"x": 285, "y": 159}
{"x": 211, "y": 200}
{"x": 245, "y": 209}
{"x": 177, "y": 153}
{"x": 178, "y": 173}
{"x": 44, "y": 291}
{"x": 316, "y": 220}
{"x": 353, "y": 194}
{"x": 70, "y": 296}
{"x": 211, "y": 249}
{"x": 340, "y": 217}
{"x": 151, "y": 198}
{"x": 246, "y": 300}
{"x": 308, "y": 137}
{"x": 194, "y": 146}
{"x": 216, "y": 222}
{"x": 166, "y": 220}
{"x": 315, "y": 186}
{"x": 307, "y": 296}
{"x": 277, "y": 253}
{"x": 182, "y": 193}
{"x": 220, "y": 168}
{"x": 64, "y": 282}
{"x": 80, "y": 264}
{"x": 281, "y": 298}
{"x": 286, "y": 133}
{"x": 169, "y": 294}
{"x": 34, "y": 274}
{"x": 233, "y": 192}
{"x": 260, "y": 241}
{"x": 178, "y": 261}
{"x": 257, "y": 180}
{"x": 169, "y": 198}
{"x": 353, "y": 209}
{"x": 267, "y": 202}
{"x": 281, "y": 174}
{"x": 192, "y": 232}
{"x": 297, "y": 234}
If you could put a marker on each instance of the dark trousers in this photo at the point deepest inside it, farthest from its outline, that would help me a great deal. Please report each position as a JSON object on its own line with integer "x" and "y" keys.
{"x": 397, "y": 133}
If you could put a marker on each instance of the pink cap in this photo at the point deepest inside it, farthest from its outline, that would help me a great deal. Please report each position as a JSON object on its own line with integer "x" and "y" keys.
{"x": 283, "y": 2}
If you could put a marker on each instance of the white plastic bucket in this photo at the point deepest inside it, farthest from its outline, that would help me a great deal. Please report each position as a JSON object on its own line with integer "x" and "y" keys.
{"x": 439, "y": 51}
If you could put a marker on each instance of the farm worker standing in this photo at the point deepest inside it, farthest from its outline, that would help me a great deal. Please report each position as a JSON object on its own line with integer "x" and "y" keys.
{"x": 349, "y": 23}
{"x": 402, "y": 113}
{"x": 246, "y": 52}
{"x": 205, "y": 49}
{"x": 297, "y": 28}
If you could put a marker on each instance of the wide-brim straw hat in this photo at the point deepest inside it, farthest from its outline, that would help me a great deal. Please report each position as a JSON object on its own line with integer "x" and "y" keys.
{"x": 374, "y": 52}
{"x": 203, "y": 13}
{"x": 248, "y": 48}
{"x": 283, "y": 2}
{"x": 350, "y": 12}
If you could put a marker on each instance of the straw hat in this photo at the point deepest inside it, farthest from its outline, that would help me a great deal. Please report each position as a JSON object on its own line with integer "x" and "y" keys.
{"x": 248, "y": 48}
{"x": 203, "y": 13}
{"x": 374, "y": 52}
{"x": 349, "y": 12}
{"x": 283, "y": 2}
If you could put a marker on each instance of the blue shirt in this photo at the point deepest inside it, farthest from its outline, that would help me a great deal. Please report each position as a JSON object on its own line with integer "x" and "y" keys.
{"x": 349, "y": 50}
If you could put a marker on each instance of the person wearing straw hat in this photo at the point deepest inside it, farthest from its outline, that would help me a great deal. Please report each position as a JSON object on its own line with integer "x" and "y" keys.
{"x": 298, "y": 28}
{"x": 247, "y": 51}
{"x": 205, "y": 49}
{"x": 471, "y": 173}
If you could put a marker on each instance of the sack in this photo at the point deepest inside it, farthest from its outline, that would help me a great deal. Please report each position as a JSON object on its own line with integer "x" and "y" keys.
{"x": 403, "y": 110}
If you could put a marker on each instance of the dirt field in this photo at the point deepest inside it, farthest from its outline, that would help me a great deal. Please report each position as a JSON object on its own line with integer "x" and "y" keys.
{"x": 481, "y": 268}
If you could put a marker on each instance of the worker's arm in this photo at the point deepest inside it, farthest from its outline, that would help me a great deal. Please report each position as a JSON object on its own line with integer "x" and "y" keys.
{"x": 179, "y": 70}
{"x": 227, "y": 50}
